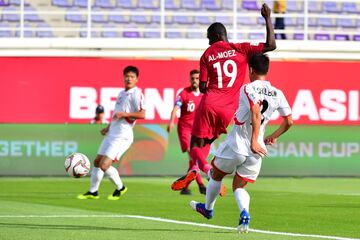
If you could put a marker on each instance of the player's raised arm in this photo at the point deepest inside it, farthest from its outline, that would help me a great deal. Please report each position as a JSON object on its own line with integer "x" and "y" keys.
{"x": 270, "y": 44}
{"x": 256, "y": 122}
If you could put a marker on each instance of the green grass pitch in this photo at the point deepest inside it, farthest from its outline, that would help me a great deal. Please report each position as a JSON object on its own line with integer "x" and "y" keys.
{"x": 308, "y": 206}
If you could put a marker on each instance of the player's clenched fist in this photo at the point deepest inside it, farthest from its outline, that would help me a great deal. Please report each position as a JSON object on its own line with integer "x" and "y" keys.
{"x": 104, "y": 131}
{"x": 265, "y": 11}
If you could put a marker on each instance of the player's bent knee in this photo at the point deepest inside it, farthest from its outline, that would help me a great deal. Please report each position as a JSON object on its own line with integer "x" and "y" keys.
{"x": 217, "y": 175}
{"x": 105, "y": 163}
{"x": 238, "y": 182}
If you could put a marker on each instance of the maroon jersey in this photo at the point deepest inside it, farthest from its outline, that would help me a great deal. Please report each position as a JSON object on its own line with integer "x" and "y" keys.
{"x": 223, "y": 65}
{"x": 188, "y": 101}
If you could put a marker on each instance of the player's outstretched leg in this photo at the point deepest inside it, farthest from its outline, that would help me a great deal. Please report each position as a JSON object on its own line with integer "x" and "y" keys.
{"x": 242, "y": 198}
{"x": 120, "y": 190}
{"x": 200, "y": 208}
{"x": 96, "y": 176}
{"x": 184, "y": 181}
{"x": 199, "y": 180}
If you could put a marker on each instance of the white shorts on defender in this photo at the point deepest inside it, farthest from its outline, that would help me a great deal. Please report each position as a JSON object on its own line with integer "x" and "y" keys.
{"x": 227, "y": 160}
{"x": 114, "y": 147}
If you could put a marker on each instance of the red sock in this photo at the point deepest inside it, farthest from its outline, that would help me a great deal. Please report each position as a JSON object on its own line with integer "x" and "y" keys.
{"x": 197, "y": 154}
{"x": 198, "y": 178}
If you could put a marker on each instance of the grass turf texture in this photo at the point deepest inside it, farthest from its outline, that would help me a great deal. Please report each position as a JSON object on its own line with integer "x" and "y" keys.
{"x": 308, "y": 206}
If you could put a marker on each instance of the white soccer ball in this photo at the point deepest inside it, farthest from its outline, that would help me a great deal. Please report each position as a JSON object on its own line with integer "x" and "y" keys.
{"x": 77, "y": 165}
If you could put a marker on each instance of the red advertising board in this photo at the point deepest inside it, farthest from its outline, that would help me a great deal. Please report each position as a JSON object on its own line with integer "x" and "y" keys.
{"x": 64, "y": 89}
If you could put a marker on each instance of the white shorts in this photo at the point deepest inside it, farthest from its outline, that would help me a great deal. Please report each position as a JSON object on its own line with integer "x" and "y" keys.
{"x": 228, "y": 161}
{"x": 113, "y": 147}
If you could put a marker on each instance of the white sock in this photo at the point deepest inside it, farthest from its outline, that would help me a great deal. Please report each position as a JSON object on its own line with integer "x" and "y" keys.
{"x": 212, "y": 191}
{"x": 242, "y": 198}
{"x": 96, "y": 176}
{"x": 113, "y": 175}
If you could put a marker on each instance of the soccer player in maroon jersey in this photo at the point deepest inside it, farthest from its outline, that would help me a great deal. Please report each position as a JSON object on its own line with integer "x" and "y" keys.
{"x": 187, "y": 101}
{"x": 223, "y": 69}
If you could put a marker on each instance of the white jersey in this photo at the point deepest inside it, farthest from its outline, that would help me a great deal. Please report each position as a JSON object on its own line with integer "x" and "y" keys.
{"x": 270, "y": 98}
{"x": 131, "y": 100}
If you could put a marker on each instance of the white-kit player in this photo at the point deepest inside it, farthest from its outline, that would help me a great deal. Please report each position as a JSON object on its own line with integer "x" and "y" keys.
{"x": 118, "y": 136}
{"x": 244, "y": 146}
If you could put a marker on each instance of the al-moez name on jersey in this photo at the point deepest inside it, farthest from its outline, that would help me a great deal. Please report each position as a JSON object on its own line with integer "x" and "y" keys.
{"x": 329, "y": 105}
{"x": 221, "y": 55}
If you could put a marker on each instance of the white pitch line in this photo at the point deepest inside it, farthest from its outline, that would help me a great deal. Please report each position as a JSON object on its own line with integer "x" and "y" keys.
{"x": 178, "y": 222}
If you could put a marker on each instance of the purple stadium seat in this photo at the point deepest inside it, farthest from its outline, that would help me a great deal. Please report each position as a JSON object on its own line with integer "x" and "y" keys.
{"x": 103, "y": 4}
{"x": 345, "y": 23}
{"x": 149, "y": 4}
{"x": 195, "y": 35}
{"x": 5, "y": 33}
{"x": 298, "y": 36}
{"x": 326, "y": 22}
{"x": 99, "y": 18}
{"x": 182, "y": 19}
{"x": 205, "y": 20}
{"x": 73, "y": 16}
{"x": 260, "y": 21}
{"x": 45, "y": 31}
{"x": 242, "y": 36}
{"x": 126, "y": 4}
{"x": 256, "y": 36}
{"x": 210, "y": 5}
{"x": 9, "y": 16}
{"x": 356, "y": 37}
{"x": 248, "y": 21}
{"x": 250, "y": 5}
{"x": 109, "y": 31}
{"x": 118, "y": 18}
{"x": 350, "y": 7}
{"x": 312, "y": 22}
{"x": 300, "y": 21}
{"x": 321, "y": 37}
{"x": 17, "y": 3}
{"x": 80, "y": 3}
{"x": 290, "y": 21}
{"x": 131, "y": 34}
{"x": 224, "y": 20}
{"x": 341, "y": 37}
{"x": 83, "y": 32}
{"x": 140, "y": 19}
{"x": 314, "y": 6}
{"x": 173, "y": 35}
{"x": 331, "y": 7}
{"x": 61, "y": 3}
{"x": 228, "y": 4}
{"x": 31, "y": 17}
{"x": 155, "y": 19}
{"x": 27, "y": 33}
{"x": 151, "y": 34}
{"x": 293, "y": 6}
{"x": 170, "y": 4}
{"x": 190, "y": 4}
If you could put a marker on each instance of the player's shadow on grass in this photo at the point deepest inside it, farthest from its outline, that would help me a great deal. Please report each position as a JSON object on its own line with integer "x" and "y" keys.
{"x": 97, "y": 228}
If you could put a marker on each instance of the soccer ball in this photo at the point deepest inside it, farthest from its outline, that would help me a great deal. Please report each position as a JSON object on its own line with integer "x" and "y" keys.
{"x": 77, "y": 165}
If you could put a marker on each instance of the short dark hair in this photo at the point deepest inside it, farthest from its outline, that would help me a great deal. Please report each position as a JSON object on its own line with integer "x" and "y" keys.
{"x": 259, "y": 63}
{"x": 194, "y": 71}
{"x": 131, "y": 69}
{"x": 216, "y": 28}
